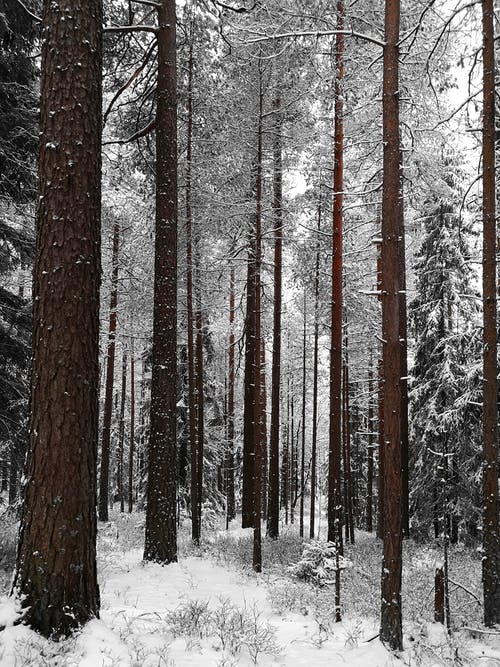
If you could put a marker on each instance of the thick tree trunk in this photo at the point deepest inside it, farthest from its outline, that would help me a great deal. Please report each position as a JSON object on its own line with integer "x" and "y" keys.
{"x": 390, "y": 623}
{"x": 274, "y": 439}
{"x": 109, "y": 384}
{"x": 491, "y": 536}
{"x": 56, "y": 564}
{"x": 161, "y": 528}
{"x": 335, "y": 432}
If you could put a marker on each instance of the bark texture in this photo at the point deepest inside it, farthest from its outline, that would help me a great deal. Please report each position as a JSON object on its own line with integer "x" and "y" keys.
{"x": 56, "y": 567}
{"x": 491, "y": 538}
{"x": 161, "y": 530}
{"x": 390, "y": 622}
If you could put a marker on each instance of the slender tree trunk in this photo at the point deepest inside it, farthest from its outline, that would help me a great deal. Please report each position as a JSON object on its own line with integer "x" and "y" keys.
{"x": 200, "y": 426}
{"x": 230, "y": 407}
{"x": 335, "y": 434}
{"x": 248, "y": 407}
{"x": 369, "y": 474}
{"x": 380, "y": 414}
{"x": 285, "y": 485}
{"x": 161, "y": 527}
{"x": 403, "y": 339}
{"x": 55, "y": 576}
{"x": 274, "y": 439}
{"x": 303, "y": 439}
{"x": 292, "y": 454}
{"x": 314, "y": 441}
{"x": 390, "y": 623}
{"x": 132, "y": 433}
{"x": 263, "y": 427}
{"x": 257, "y": 554}
{"x": 121, "y": 431}
{"x": 491, "y": 536}
{"x": 195, "y": 523}
{"x": 109, "y": 384}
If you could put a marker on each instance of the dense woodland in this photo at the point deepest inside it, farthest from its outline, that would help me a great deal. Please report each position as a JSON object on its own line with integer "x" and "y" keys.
{"x": 253, "y": 282}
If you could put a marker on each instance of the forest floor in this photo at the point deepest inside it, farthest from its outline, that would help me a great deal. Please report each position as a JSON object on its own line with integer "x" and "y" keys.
{"x": 210, "y": 608}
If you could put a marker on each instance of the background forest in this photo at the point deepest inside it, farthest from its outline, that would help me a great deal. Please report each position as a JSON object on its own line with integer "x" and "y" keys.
{"x": 246, "y": 374}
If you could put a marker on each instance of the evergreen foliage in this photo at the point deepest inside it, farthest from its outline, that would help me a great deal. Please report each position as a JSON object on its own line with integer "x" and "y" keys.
{"x": 446, "y": 383}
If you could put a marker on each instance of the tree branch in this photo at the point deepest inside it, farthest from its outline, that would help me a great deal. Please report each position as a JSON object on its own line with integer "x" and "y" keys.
{"x": 150, "y": 127}
{"x": 33, "y": 16}
{"x": 129, "y": 28}
{"x": 318, "y": 33}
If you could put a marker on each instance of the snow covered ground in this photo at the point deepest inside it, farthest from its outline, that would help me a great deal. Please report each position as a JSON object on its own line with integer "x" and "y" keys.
{"x": 211, "y": 609}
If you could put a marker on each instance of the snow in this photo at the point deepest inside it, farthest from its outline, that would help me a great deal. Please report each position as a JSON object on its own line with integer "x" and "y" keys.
{"x": 147, "y": 613}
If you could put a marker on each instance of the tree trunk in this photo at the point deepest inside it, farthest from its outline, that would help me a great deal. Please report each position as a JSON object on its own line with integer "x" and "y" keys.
{"x": 314, "y": 439}
{"x": 403, "y": 339}
{"x": 56, "y": 562}
{"x": 390, "y": 623}
{"x": 335, "y": 433}
{"x": 132, "y": 434}
{"x": 263, "y": 428}
{"x": 369, "y": 474}
{"x": 109, "y": 385}
{"x": 195, "y": 523}
{"x": 161, "y": 528}
{"x": 491, "y": 537}
{"x": 200, "y": 424}
{"x": 121, "y": 432}
{"x": 231, "y": 513}
{"x": 303, "y": 440}
{"x": 274, "y": 439}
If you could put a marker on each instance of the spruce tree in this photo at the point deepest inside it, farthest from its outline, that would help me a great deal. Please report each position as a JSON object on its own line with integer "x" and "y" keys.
{"x": 445, "y": 393}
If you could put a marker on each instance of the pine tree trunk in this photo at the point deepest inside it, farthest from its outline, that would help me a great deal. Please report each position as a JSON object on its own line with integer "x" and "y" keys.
{"x": 491, "y": 536}
{"x": 161, "y": 528}
{"x": 314, "y": 439}
{"x": 132, "y": 434}
{"x": 274, "y": 439}
{"x": 200, "y": 424}
{"x": 303, "y": 440}
{"x": 335, "y": 432}
{"x": 109, "y": 384}
{"x": 231, "y": 513}
{"x": 121, "y": 432}
{"x": 263, "y": 428}
{"x": 390, "y": 623}
{"x": 257, "y": 547}
{"x": 56, "y": 563}
{"x": 369, "y": 467}
{"x": 195, "y": 523}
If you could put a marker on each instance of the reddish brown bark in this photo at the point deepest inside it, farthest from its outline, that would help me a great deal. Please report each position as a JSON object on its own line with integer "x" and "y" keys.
{"x": 109, "y": 383}
{"x": 56, "y": 561}
{"x": 335, "y": 431}
{"x": 390, "y": 623}
{"x": 161, "y": 529}
{"x": 491, "y": 536}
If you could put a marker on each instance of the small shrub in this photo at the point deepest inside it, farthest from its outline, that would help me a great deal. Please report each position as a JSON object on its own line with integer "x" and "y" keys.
{"x": 319, "y": 564}
{"x": 289, "y": 596}
{"x": 190, "y": 619}
{"x": 259, "y": 636}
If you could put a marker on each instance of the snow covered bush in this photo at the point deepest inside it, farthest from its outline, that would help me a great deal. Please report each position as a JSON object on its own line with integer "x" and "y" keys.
{"x": 319, "y": 563}
{"x": 191, "y": 619}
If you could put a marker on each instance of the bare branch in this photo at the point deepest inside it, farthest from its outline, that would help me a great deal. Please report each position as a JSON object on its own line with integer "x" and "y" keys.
{"x": 237, "y": 10}
{"x": 150, "y": 127}
{"x": 129, "y": 28}
{"x": 149, "y": 3}
{"x": 33, "y": 16}
{"x": 318, "y": 33}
